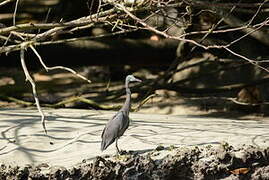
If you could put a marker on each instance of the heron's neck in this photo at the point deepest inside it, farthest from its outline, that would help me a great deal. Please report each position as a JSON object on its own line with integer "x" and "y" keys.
{"x": 127, "y": 103}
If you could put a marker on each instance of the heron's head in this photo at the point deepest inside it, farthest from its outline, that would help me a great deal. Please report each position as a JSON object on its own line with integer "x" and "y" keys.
{"x": 131, "y": 78}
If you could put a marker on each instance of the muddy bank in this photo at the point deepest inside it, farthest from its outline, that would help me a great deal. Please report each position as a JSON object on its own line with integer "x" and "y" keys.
{"x": 222, "y": 162}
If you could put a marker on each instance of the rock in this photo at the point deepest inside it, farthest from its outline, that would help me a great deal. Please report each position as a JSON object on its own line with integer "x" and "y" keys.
{"x": 203, "y": 163}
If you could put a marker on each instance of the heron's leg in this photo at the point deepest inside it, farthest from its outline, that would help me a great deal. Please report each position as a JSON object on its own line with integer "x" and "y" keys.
{"x": 118, "y": 151}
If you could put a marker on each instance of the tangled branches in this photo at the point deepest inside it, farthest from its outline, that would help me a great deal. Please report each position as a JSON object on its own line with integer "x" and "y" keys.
{"x": 169, "y": 19}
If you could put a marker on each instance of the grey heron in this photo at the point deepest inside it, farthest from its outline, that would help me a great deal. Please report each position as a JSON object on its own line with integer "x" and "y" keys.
{"x": 118, "y": 124}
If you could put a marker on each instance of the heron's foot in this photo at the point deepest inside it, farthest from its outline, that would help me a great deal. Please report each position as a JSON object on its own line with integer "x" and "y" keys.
{"x": 122, "y": 157}
{"x": 122, "y": 152}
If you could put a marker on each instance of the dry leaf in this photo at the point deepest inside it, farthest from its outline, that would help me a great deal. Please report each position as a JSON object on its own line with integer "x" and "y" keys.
{"x": 240, "y": 171}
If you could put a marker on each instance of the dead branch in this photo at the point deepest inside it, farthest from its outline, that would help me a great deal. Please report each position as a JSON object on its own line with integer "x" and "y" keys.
{"x": 137, "y": 108}
{"x": 150, "y": 28}
{"x": 232, "y": 87}
{"x": 17, "y": 101}
{"x": 255, "y": 63}
{"x": 80, "y": 99}
{"x": 57, "y": 67}
{"x": 122, "y": 19}
{"x": 254, "y": 32}
{"x": 98, "y": 42}
{"x": 5, "y": 2}
{"x": 54, "y": 27}
{"x": 29, "y": 78}
{"x": 15, "y": 12}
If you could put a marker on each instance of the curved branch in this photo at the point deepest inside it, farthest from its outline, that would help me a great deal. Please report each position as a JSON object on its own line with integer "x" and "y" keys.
{"x": 30, "y": 79}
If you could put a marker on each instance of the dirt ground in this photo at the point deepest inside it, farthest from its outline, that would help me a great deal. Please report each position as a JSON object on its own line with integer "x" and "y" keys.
{"x": 222, "y": 162}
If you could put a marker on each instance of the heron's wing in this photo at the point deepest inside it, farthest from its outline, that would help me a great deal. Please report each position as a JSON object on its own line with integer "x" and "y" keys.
{"x": 114, "y": 129}
{"x": 124, "y": 125}
{"x": 118, "y": 116}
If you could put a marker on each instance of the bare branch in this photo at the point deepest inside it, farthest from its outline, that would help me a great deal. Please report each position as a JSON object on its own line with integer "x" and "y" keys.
{"x": 254, "y": 32}
{"x": 15, "y": 12}
{"x": 257, "y": 12}
{"x": 255, "y": 63}
{"x": 10, "y": 48}
{"x": 6, "y": 2}
{"x": 140, "y": 21}
{"x": 224, "y": 30}
{"x": 59, "y": 26}
{"x": 249, "y": 31}
{"x": 57, "y": 67}
{"x": 30, "y": 79}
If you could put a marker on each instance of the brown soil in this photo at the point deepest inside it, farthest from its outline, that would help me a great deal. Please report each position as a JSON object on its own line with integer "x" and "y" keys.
{"x": 222, "y": 162}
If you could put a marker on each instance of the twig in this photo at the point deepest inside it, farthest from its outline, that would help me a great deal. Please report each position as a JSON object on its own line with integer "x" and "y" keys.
{"x": 256, "y": 33}
{"x": 221, "y": 30}
{"x": 220, "y": 89}
{"x": 99, "y": 106}
{"x": 87, "y": 101}
{"x": 7, "y": 49}
{"x": 15, "y": 12}
{"x": 140, "y": 21}
{"x": 228, "y": 5}
{"x": 243, "y": 103}
{"x": 123, "y": 8}
{"x": 214, "y": 26}
{"x": 29, "y": 78}
{"x": 18, "y": 101}
{"x": 255, "y": 63}
{"x": 5, "y": 2}
{"x": 137, "y": 108}
{"x": 54, "y": 27}
{"x": 57, "y": 67}
{"x": 78, "y": 22}
{"x": 257, "y": 12}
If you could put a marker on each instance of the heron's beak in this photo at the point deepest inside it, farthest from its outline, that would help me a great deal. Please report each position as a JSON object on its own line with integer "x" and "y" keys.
{"x": 138, "y": 80}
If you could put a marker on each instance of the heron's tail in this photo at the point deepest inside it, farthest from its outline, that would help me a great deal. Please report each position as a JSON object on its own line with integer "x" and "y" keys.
{"x": 106, "y": 142}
